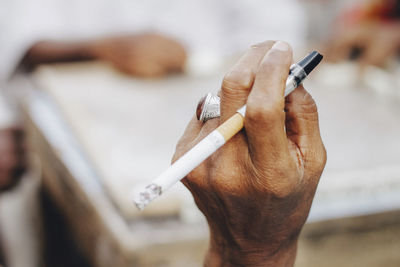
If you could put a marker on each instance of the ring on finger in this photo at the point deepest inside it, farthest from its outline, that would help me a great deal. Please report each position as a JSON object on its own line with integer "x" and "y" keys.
{"x": 208, "y": 107}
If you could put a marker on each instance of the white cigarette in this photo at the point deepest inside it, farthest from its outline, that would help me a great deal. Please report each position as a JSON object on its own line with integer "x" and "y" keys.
{"x": 195, "y": 156}
{"x": 217, "y": 138}
{"x": 184, "y": 165}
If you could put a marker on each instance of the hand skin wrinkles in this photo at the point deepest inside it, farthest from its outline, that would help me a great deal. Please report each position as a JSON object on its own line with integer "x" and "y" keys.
{"x": 254, "y": 192}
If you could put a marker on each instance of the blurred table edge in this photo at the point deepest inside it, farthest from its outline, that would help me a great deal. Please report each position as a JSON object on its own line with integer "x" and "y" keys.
{"x": 68, "y": 176}
{"x": 107, "y": 237}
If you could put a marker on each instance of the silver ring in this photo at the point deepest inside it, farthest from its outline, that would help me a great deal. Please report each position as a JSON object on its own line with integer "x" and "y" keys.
{"x": 208, "y": 107}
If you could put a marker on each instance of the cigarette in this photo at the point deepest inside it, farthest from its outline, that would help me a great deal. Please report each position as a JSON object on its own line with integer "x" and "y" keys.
{"x": 217, "y": 138}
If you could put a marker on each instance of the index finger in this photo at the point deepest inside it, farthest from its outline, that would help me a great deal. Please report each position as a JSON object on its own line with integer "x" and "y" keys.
{"x": 238, "y": 81}
{"x": 265, "y": 118}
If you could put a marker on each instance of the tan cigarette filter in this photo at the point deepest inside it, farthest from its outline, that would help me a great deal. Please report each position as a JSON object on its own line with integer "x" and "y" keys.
{"x": 232, "y": 126}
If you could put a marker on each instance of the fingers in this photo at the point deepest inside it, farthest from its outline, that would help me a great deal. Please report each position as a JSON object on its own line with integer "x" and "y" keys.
{"x": 265, "y": 119}
{"x": 239, "y": 80}
{"x": 186, "y": 141}
{"x": 194, "y": 133}
{"x": 302, "y": 128}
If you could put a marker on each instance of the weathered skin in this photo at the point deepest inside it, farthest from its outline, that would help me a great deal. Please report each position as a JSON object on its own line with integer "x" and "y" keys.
{"x": 257, "y": 190}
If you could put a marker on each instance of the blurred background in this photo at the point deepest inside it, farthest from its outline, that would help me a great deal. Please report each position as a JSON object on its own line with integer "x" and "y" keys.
{"x": 95, "y": 95}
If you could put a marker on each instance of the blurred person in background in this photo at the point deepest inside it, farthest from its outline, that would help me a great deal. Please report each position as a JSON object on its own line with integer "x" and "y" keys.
{"x": 144, "y": 38}
{"x": 368, "y": 32}
{"x": 141, "y": 38}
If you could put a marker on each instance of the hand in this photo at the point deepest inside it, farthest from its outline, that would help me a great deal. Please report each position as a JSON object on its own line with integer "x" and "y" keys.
{"x": 256, "y": 191}
{"x": 145, "y": 55}
{"x": 375, "y": 42}
{"x": 12, "y": 157}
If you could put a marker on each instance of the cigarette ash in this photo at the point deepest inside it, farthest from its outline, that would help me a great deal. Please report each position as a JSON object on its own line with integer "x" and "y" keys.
{"x": 150, "y": 192}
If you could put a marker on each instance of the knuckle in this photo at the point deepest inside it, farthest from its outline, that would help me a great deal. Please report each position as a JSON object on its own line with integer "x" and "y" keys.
{"x": 308, "y": 104}
{"x": 236, "y": 80}
{"x": 281, "y": 191}
{"x": 280, "y": 188}
{"x": 318, "y": 162}
{"x": 302, "y": 107}
{"x": 285, "y": 187}
{"x": 256, "y": 111}
{"x": 272, "y": 65}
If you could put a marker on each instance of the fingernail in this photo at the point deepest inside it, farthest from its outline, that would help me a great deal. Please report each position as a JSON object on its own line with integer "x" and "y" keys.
{"x": 281, "y": 46}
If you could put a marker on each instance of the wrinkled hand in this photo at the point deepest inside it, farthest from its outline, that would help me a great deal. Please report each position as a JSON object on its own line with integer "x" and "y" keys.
{"x": 256, "y": 191}
{"x": 12, "y": 157}
{"x": 144, "y": 55}
{"x": 376, "y": 43}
